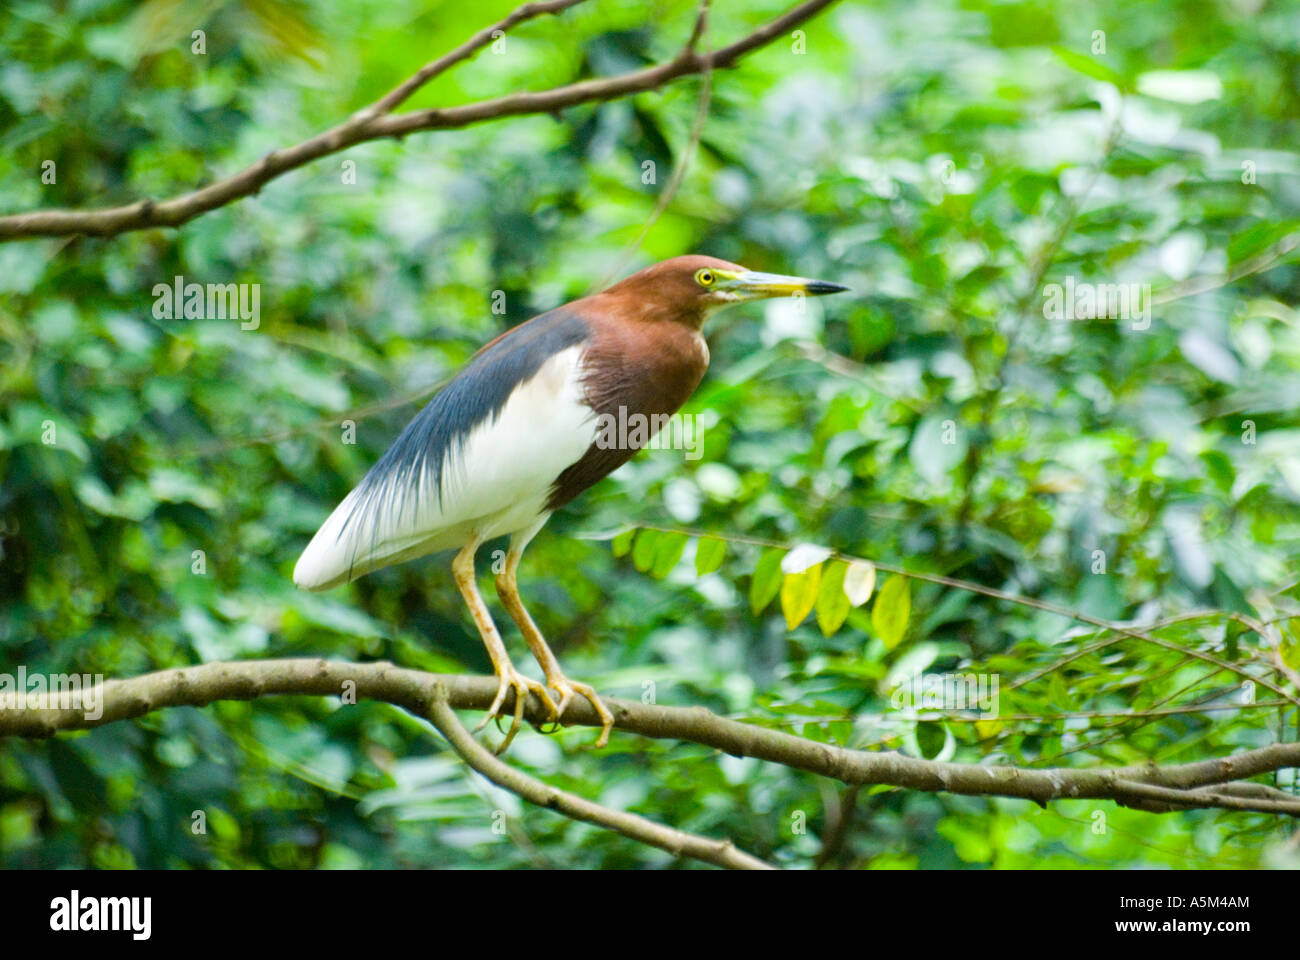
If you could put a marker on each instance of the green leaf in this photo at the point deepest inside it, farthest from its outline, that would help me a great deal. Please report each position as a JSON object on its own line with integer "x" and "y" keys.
{"x": 1255, "y": 239}
{"x": 1228, "y": 596}
{"x": 930, "y": 737}
{"x": 817, "y": 732}
{"x": 841, "y": 731}
{"x": 767, "y": 579}
{"x": 667, "y": 553}
{"x": 892, "y": 609}
{"x": 709, "y": 554}
{"x": 859, "y": 581}
{"x": 798, "y": 594}
{"x": 1089, "y": 66}
{"x": 622, "y": 543}
{"x": 832, "y": 602}
{"x": 643, "y": 552}
{"x": 1232, "y": 637}
{"x": 23, "y": 132}
{"x": 1220, "y": 469}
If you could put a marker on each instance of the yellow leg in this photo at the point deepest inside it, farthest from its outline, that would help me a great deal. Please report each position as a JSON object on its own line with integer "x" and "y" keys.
{"x": 508, "y": 591}
{"x": 510, "y": 678}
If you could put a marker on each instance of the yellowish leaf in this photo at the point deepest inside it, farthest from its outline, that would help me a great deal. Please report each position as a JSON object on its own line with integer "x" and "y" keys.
{"x": 798, "y": 594}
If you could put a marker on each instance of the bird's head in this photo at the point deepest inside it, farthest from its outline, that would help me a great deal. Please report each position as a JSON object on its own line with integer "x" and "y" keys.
{"x": 687, "y": 289}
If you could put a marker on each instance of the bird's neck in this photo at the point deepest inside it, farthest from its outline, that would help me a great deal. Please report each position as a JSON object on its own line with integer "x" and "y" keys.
{"x": 646, "y": 310}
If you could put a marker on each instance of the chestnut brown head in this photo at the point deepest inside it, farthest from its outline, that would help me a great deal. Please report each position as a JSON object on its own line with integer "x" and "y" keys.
{"x": 687, "y": 289}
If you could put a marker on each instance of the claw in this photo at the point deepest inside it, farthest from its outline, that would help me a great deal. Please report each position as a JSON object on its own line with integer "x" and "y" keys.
{"x": 567, "y": 688}
{"x": 510, "y": 678}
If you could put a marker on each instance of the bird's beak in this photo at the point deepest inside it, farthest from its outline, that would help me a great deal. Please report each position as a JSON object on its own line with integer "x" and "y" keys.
{"x": 751, "y": 285}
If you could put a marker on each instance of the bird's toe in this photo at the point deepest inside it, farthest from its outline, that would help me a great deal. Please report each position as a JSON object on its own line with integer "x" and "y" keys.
{"x": 511, "y": 679}
{"x": 568, "y": 689}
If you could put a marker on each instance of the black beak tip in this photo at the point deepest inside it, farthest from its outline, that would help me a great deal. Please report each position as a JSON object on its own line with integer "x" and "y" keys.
{"x": 819, "y": 287}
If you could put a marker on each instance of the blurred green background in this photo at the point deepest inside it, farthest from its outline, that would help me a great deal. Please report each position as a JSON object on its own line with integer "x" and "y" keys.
{"x": 945, "y": 159}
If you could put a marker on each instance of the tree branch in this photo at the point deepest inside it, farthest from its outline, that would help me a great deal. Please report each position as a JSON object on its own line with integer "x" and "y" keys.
{"x": 1149, "y": 787}
{"x": 400, "y": 94}
{"x": 839, "y": 817}
{"x": 719, "y": 852}
{"x": 377, "y": 121}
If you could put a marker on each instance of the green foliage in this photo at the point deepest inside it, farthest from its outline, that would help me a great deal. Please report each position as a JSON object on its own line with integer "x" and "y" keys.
{"x": 709, "y": 554}
{"x": 833, "y": 603}
{"x": 949, "y": 162}
{"x": 766, "y": 582}
{"x": 890, "y": 613}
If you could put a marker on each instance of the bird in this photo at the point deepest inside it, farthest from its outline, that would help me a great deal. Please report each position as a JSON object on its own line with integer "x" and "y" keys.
{"x": 515, "y": 435}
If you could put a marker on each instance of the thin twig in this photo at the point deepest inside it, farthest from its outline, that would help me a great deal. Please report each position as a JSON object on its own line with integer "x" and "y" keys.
{"x": 1257, "y": 264}
{"x": 400, "y": 94}
{"x": 837, "y": 830}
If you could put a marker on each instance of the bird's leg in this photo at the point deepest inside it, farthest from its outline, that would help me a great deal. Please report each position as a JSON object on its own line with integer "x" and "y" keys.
{"x": 508, "y": 591}
{"x": 463, "y": 569}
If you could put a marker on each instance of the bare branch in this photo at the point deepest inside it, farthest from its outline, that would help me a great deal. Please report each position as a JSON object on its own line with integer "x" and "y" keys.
{"x": 839, "y": 818}
{"x": 403, "y": 92}
{"x": 701, "y": 24}
{"x": 677, "y": 842}
{"x": 414, "y": 690}
{"x": 374, "y": 123}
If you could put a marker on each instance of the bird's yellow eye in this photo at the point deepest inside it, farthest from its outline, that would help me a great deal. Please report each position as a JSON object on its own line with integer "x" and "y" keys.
{"x": 704, "y": 277}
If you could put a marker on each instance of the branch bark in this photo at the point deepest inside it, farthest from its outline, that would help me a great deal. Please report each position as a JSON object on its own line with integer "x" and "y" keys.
{"x": 378, "y": 121}
{"x": 678, "y": 842}
{"x": 1155, "y": 788}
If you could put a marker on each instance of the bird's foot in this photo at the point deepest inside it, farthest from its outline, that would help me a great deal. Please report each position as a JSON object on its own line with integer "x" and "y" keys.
{"x": 512, "y": 679}
{"x": 567, "y": 689}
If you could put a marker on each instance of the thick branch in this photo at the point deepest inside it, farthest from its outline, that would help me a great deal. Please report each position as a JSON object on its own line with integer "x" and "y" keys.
{"x": 1183, "y": 785}
{"x": 376, "y": 122}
